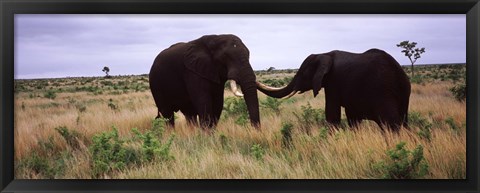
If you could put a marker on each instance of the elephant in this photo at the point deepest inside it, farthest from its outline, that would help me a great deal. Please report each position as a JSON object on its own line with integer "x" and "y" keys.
{"x": 190, "y": 77}
{"x": 370, "y": 85}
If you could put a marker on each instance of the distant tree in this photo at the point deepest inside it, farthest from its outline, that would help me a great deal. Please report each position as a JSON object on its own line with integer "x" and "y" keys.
{"x": 106, "y": 70}
{"x": 409, "y": 50}
{"x": 270, "y": 69}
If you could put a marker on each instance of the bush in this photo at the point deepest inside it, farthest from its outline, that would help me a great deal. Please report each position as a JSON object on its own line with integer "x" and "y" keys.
{"x": 272, "y": 103}
{"x": 152, "y": 148}
{"x": 274, "y": 82}
{"x": 403, "y": 163}
{"x": 236, "y": 107}
{"x": 323, "y": 133}
{"x": 45, "y": 161}
{"x": 425, "y": 132}
{"x": 310, "y": 117}
{"x": 257, "y": 151}
{"x": 71, "y": 137}
{"x": 417, "y": 79}
{"x": 50, "y": 94}
{"x": 112, "y": 105}
{"x": 109, "y": 153}
{"x": 286, "y": 132}
{"x": 450, "y": 122}
{"x": 459, "y": 92}
{"x": 415, "y": 118}
{"x": 81, "y": 107}
{"x": 224, "y": 141}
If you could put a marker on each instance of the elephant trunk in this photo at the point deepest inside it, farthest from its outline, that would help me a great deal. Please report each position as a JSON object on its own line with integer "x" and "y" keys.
{"x": 278, "y": 92}
{"x": 251, "y": 99}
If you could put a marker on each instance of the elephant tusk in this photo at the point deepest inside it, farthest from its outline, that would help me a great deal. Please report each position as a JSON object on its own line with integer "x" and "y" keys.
{"x": 269, "y": 88}
{"x": 291, "y": 94}
{"x": 233, "y": 87}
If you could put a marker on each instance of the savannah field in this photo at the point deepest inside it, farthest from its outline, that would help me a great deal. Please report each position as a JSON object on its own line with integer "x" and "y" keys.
{"x": 97, "y": 127}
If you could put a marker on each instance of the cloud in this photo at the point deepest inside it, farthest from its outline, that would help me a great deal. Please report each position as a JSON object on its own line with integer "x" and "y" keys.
{"x": 80, "y": 45}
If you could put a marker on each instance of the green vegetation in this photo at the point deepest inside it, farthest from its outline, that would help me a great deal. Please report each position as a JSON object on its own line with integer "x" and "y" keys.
{"x": 286, "y": 132}
{"x": 257, "y": 151}
{"x": 459, "y": 92}
{"x": 110, "y": 153}
{"x": 236, "y": 107}
{"x": 404, "y": 163}
{"x": 310, "y": 117}
{"x": 272, "y": 103}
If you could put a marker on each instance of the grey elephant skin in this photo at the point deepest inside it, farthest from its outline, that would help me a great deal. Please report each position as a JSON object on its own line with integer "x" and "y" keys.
{"x": 190, "y": 77}
{"x": 370, "y": 85}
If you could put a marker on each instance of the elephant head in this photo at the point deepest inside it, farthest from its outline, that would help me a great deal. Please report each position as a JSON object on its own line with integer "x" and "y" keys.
{"x": 219, "y": 58}
{"x": 310, "y": 76}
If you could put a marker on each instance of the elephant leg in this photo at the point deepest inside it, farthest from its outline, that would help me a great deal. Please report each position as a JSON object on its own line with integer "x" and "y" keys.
{"x": 191, "y": 116}
{"x": 217, "y": 105}
{"x": 390, "y": 118}
{"x": 203, "y": 106}
{"x": 332, "y": 108}
{"x": 353, "y": 119}
{"x": 167, "y": 114}
{"x": 200, "y": 92}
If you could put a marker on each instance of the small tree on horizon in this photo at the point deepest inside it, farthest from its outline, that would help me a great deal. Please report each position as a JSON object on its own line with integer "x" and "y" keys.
{"x": 409, "y": 50}
{"x": 270, "y": 69}
{"x": 106, "y": 70}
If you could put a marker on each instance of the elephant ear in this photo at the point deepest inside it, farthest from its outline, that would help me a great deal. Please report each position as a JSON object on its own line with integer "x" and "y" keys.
{"x": 199, "y": 61}
{"x": 324, "y": 63}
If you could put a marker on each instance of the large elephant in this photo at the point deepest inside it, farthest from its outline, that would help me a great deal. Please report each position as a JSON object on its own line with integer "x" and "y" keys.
{"x": 370, "y": 85}
{"x": 190, "y": 77}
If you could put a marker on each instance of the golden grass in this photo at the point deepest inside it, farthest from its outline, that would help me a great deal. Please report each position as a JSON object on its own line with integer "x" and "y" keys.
{"x": 343, "y": 154}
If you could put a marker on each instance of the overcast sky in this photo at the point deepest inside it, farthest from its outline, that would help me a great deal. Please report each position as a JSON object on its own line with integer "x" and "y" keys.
{"x": 48, "y": 46}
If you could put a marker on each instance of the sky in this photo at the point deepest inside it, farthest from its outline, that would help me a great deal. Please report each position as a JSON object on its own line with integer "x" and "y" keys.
{"x": 55, "y": 45}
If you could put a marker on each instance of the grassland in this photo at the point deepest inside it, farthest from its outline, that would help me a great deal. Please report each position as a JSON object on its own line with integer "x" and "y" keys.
{"x": 64, "y": 129}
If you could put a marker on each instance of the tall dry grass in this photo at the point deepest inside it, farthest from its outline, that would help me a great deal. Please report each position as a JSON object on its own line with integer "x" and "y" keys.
{"x": 342, "y": 154}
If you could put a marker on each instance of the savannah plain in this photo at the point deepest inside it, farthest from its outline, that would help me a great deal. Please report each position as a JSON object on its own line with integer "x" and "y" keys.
{"x": 98, "y": 127}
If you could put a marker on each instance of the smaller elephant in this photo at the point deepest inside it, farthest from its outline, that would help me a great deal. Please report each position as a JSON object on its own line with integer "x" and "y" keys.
{"x": 371, "y": 85}
{"x": 190, "y": 77}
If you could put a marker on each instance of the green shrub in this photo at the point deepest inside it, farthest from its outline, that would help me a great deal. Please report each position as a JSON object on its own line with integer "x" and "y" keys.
{"x": 81, "y": 107}
{"x": 224, "y": 141}
{"x": 310, "y": 117}
{"x": 109, "y": 153}
{"x": 417, "y": 79}
{"x": 107, "y": 83}
{"x": 451, "y": 123}
{"x": 112, "y": 105}
{"x": 152, "y": 148}
{"x": 286, "y": 132}
{"x": 425, "y": 132}
{"x": 274, "y": 82}
{"x": 403, "y": 163}
{"x": 272, "y": 103}
{"x": 257, "y": 151}
{"x": 415, "y": 118}
{"x": 45, "y": 160}
{"x": 236, "y": 107}
{"x": 71, "y": 137}
{"x": 323, "y": 133}
{"x": 459, "y": 92}
{"x": 39, "y": 165}
{"x": 158, "y": 126}
{"x": 50, "y": 94}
